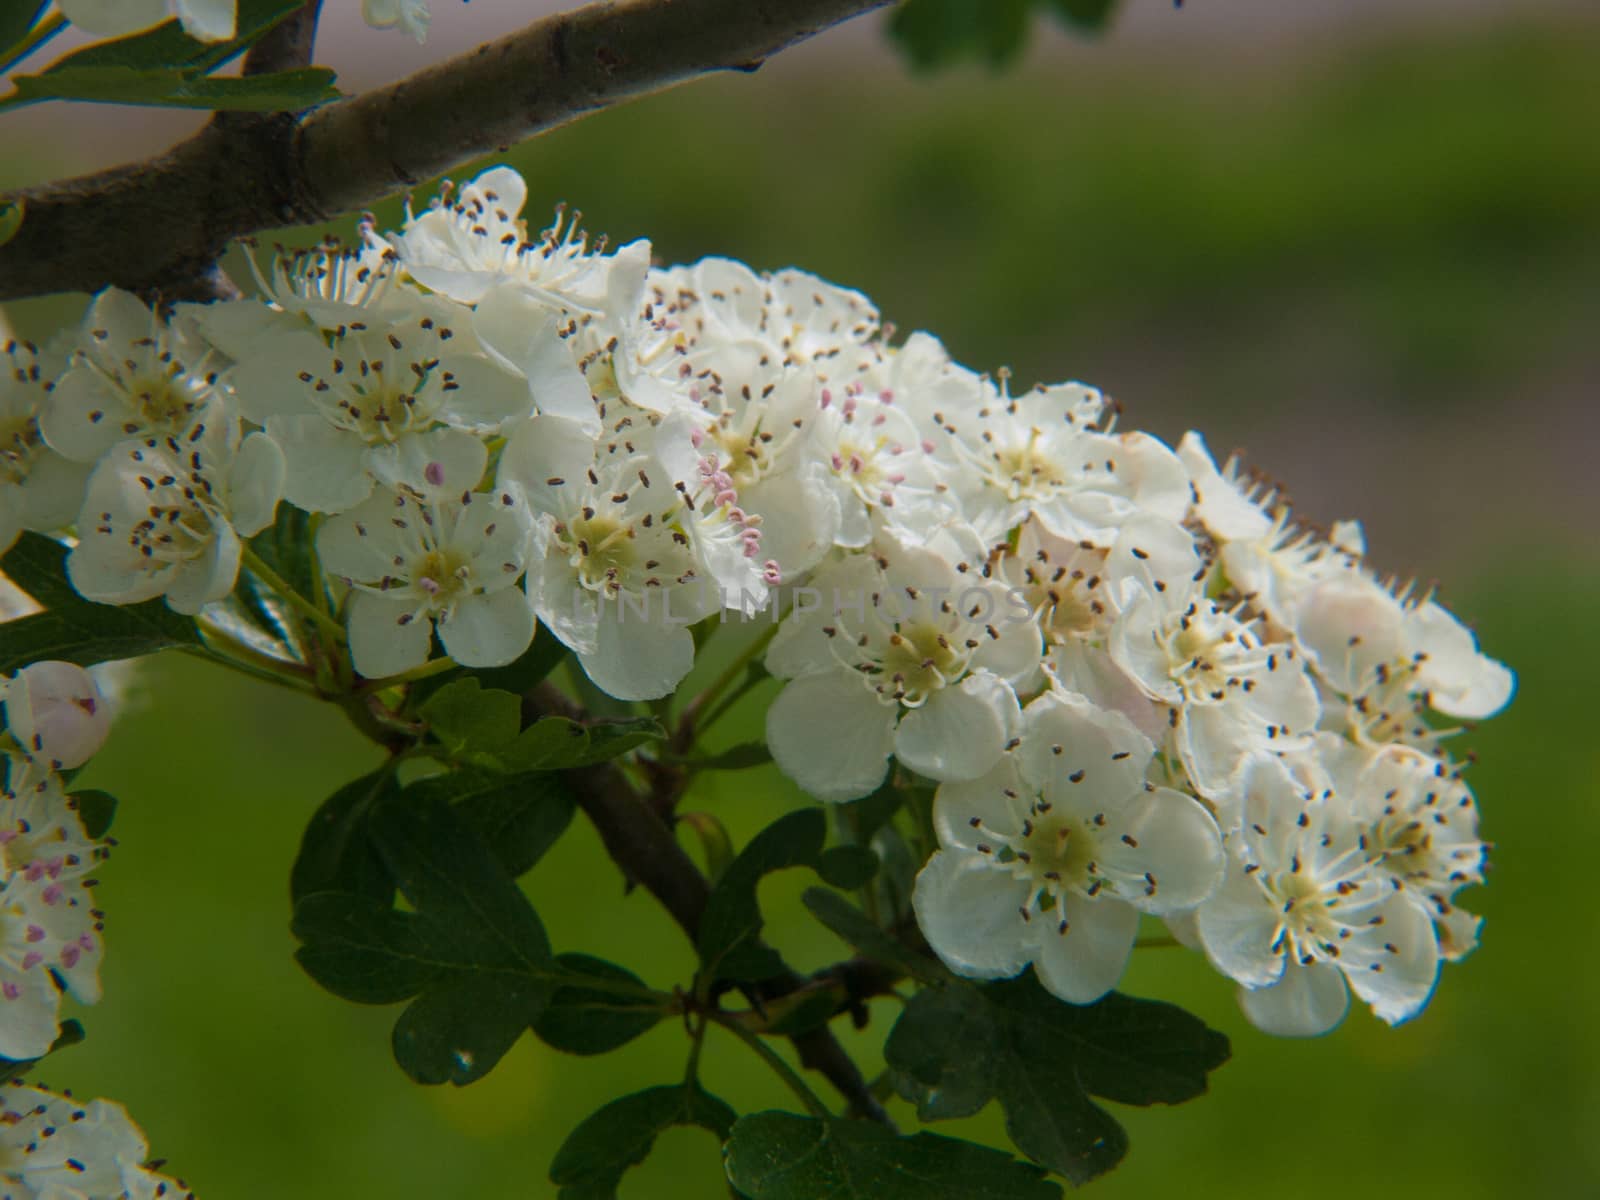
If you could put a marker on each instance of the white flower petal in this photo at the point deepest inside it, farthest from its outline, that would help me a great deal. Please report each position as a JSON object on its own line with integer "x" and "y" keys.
{"x": 969, "y": 910}
{"x": 970, "y": 813}
{"x": 1400, "y": 974}
{"x": 1169, "y": 837}
{"x": 208, "y": 20}
{"x": 960, "y": 732}
{"x": 1085, "y": 960}
{"x": 255, "y": 483}
{"x": 385, "y": 636}
{"x": 1308, "y": 1001}
{"x": 635, "y": 657}
{"x": 488, "y": 630}
{"x": 830, "y": 735}
{"x": 324, "y": 467}
{"x": 1238, "y": 927}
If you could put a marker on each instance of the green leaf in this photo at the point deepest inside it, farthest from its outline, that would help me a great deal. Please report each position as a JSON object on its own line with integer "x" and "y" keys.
{"x": 873, "y": 812}
{"x": 17, "y": 18}
{"x": 596, "y": 1155}
{"x": 518, "y": 817}
{"x": 285, "y": 546}
{"x": 555, "y": 743}
{"x": 11, "y": 212}
{"x": 95, "y": 809}
{"x": 472, "y": 722}
{"x": 735, "y": 758}
{"x": 69, "y": 1034}
{"x": 847, "y": 867}
{"x": 936, "y": 33}
{"x": 1086, "y": 16}
{"x": 74, "y": 629}
{"x": 732, "y": 916}
{"x": 954, "y": 1047}
{"x": 582, "y": 1020}
{"x": 335, "y": 853}
{"x": 780, "y": 1156}
{"x": 166, "y": 87}
{"x": 473, "y": 952}
{"x": 167, "y": 45}
{"x": 869, "y": 938}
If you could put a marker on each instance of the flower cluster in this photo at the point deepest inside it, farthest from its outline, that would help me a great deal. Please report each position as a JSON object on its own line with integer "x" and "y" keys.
{"x": 1139, "y": 685}
{"x": 56, "y": 718}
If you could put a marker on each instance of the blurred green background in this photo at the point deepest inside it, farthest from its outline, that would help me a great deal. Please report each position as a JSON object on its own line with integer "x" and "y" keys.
{"x": 1374, "y": 262}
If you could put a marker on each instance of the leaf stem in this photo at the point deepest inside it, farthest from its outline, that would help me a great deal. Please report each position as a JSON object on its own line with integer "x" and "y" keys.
{"x": 1158, "y": 942}
{"x": 430, "y": 668}
{"x": 773, "y": 1059}
{"x": 277, "y": 583}
{"x": 36, "y": 37}
{"x": 222, "y": 647}
{"x": 687, "y": 721}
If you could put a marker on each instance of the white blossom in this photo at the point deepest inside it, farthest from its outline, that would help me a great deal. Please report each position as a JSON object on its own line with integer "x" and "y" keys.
{"x": 409, "y": 16}
{"x": 1307, "y": 911}
{"x": 206, "y": 20}
{"x": 377, "y": 404}
{"x": 1051, "y": 856}
{"x": 903, "y": 651}
{"x": 615, "y": 572}
{"x": 132, "y": 375}
{"x": 49, "y": 927}
{"x": 39, "y": 489}
{"x": 56, "y": 712}
{"x": 164, "y": 516}
{"x": 439, "y": 555}
{"x": 56, "y": 1147}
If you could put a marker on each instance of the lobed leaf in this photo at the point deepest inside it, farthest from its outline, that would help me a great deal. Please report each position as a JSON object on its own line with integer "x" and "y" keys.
{"x": 335, "y": 853}
{"x": 473, "y": 953}
{"x": 168, "y": 87}
{"x": 781, "y": 1156}
{"x": 869, "y": 938}
{"x": 519, "y": 817}
{"x": 587, "y": 1020}
{"x": 596, "y": 1155}
{"x": 954, "y": 1048}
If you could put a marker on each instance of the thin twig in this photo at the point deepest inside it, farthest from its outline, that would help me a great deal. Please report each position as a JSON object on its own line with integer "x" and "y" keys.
{"x": 640, "y": 843}
{"x": 153, "y": 224}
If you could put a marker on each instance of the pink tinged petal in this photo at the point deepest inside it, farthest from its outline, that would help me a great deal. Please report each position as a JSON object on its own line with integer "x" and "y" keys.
{"x": 960, "y": 732}
{"x": 56, "y": 709}
{"x": 1238, "y": 927}
{"x": 638, "y": 657}
{"x": 970, "y": 910}
{"x": 386, "y": 637}
{"x": 970, "y": 814}
{"x": 325, "y": 467}
{"x": 801, "y": 514}
{"x": 1398, "y": 965}
{"x": 1084, "y": 758}
{"x": 1091, "y": 672}
{"x": 457, "y": 458}
{"x": 831, "y": 736}
{"x": 1308, "y": 1001}
{"x": 255, "y": 484}
{"x": 1081, "y": 947}
{"x": 488, "y": 630}
{"x": 1169, "y": 840}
